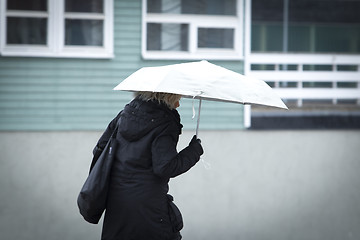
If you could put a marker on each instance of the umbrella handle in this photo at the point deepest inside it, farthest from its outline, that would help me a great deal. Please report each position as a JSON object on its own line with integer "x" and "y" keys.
{"x": 198, "y": 119}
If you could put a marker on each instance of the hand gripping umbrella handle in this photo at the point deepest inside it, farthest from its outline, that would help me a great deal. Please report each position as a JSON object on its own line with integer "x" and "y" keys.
{"x": 198, "y": 120}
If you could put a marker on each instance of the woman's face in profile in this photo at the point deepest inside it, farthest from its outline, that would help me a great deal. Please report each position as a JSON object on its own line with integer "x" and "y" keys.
{"x": 177, "y": 104}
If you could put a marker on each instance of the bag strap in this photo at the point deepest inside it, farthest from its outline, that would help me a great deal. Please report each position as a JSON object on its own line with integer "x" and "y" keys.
{"x": 99, "y": 150}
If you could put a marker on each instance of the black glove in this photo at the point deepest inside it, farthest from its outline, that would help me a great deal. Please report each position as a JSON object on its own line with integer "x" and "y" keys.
{"x": 195, "y": 143}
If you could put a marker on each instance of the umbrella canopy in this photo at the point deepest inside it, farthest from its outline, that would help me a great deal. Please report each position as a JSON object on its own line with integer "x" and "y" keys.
{"x": 202, "y": 80}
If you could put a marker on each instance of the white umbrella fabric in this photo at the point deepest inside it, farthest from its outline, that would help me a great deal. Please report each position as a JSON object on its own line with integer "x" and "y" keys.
{"x": 202, "y": 80}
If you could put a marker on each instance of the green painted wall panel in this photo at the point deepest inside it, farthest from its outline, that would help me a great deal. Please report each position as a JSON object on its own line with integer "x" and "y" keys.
{"x": 76, "y": 94}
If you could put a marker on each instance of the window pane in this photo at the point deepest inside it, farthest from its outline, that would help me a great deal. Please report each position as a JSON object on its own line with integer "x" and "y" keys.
{"x": 351, "y": 68}
{"x": 206, "y": 7}
{"x": 26, "y": 30}
{"x": 274, "y": 37}
{"x": 95, "y": 6}
{"x": 215, "y": 38}
{"x": 324, "y": 11}
{"x": 84, "y": 32}
{"x": 317, "y": 85}
{"x": 307, "y": 67}
{"x": 167, "y": 37}
{"x": 262, "y": 67}
{"x": 346, "y": 85}
{"x": 267, "y": 17}
{"x": 324, "y": 26}
{"x": 288, "y": 67}
{"x": 331, "y": 25}
{"x": 339, "y": 38}
{"x": 209, "y": 7}
{"x": 267, "y": 10}
{"x": 299, "y": 38}
{"x": 34, "y": 5}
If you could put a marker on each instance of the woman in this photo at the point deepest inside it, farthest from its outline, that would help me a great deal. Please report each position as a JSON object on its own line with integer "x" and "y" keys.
{"x": 138, "y": 206}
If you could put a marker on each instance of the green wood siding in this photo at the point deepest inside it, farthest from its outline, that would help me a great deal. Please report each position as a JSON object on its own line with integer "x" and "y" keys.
{"x": 76, "y": 94}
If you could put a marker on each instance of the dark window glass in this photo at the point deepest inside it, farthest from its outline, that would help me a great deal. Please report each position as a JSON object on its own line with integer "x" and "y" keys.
{"x": 317, "y": 85}
{"x": 209, "y": 7}
{"x": 288, "y": 85}
{"x": 307, "y": 67}
{"x": 267, "y": 17}
{"x": 32, "y": 5}
{"x": 288, "y": 67}
{"x": 324, "y": 11}
{"x": 94, "y": 6}
{"x": 346, "y": 84}
{"x": 274, "y": 36}
{"x": 215, "y": 38}
{"x": 154, "y": 6}
{"x": 271, "y": 84}
{"x": 262, "y": 67}
{"x": 337, "y": 38}
{"x": 153, "y": 38}
{"x": 332, "y": 25}
{"x": 322, "y": 26}
{"x": 206, "y": 7}
{"x": 26, "y": 31}
{"x": 167, "y": 37}
{"x": 351, "y": 68}
{"x": 267, "y": 10}
{"x": 299, "y": 38}
{"x": 84, "y": 32}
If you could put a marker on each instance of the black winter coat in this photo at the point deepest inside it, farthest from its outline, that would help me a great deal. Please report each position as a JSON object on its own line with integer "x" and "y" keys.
{"x": 138, "y": 204}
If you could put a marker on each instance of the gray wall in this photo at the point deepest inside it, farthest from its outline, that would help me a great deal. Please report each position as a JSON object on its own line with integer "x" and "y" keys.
{"x": 261, "y": 185}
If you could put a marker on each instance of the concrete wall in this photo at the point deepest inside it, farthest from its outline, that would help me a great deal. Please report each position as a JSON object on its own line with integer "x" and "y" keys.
{"x": 261, "y": 185}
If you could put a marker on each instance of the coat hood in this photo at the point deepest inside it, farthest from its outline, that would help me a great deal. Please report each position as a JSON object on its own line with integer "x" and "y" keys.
{"x": 140, "y": 117}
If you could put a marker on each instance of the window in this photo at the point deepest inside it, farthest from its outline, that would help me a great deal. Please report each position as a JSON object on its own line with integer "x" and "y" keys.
{"x": 306, "y": 26}
{"x": 57, "y": 28}
{"x": 192, "y": 29}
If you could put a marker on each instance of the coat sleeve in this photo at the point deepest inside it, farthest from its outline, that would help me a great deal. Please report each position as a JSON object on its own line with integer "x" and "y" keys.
{"x": 167, "y": 162}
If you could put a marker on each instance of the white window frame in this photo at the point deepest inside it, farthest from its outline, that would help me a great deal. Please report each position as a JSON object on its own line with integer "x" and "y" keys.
{"x": 196, "y": 21}
{"x": 56, "y": 33}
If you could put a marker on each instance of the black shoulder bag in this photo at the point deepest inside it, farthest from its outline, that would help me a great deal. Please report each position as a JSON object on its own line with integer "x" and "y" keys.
{"x": 93, "y": 195}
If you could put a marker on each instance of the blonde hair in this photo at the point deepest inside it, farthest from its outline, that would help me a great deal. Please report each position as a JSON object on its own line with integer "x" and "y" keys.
{"x": 169, "y": 99}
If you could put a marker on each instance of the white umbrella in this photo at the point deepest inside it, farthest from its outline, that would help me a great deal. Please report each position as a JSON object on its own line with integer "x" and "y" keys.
{"x": 202, "y": 80}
